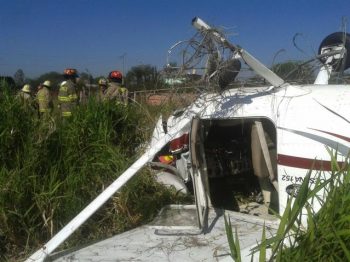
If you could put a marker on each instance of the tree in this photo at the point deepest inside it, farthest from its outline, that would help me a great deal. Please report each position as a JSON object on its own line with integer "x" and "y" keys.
{"x": 7, "y": 82}
{"x": 54, "y": 77}
{"x": 19, "y": 77}
{"x": 142, "y": 77}
{"x": 294, "y": 71}
{"x": 86, "y": 78}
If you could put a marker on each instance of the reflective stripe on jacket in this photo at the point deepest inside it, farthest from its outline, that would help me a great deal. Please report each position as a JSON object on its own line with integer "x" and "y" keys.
{"x": 67, "y": 97}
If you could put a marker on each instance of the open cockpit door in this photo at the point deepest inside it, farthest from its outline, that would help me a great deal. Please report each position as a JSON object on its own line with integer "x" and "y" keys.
{"x": 199, "y": 177}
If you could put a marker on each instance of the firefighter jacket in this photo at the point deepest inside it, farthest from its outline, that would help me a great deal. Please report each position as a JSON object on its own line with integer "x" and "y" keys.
{"x": 44, "y": 100}
{"x": 124, "y": 95}
{"x": 24, "y": 96}
{"x": 67, "y": 97}
{"x": 112, "y": 92}
{"x": 100, "y": 95}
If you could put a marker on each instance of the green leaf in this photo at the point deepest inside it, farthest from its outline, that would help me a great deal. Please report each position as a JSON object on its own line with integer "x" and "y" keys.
{"x": 262, "y": 255}
{"x": 233, "y": 243}
{"x": 342, "y": 244}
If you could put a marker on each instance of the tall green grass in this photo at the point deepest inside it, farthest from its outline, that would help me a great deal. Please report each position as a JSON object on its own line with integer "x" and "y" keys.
{"x": 51, "y": 168}
{"x": 327, "y": 235}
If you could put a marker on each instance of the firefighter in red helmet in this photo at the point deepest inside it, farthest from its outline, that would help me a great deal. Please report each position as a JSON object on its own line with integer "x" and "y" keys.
{"x": 115, "y": 79}
{"x": 67, "y": 95}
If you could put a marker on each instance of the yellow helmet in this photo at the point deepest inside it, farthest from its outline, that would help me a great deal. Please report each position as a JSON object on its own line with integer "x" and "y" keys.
{"x": 26, "y": 88}
{"x": 47, "y": 83}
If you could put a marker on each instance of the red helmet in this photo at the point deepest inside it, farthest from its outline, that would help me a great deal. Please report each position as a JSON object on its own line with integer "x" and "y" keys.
{"x": 115, "y": 75}
{"x": 70, "y": 72}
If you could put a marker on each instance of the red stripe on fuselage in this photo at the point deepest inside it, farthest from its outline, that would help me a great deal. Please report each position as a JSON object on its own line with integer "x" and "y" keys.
{"x": 306, "y": 163}
{"x": 333, "y": 134}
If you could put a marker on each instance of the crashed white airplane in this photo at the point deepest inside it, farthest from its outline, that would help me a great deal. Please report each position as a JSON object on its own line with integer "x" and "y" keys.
{"x": 262, "y": 139}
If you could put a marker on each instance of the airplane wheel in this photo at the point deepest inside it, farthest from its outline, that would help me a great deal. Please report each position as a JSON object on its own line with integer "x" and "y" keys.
{"x": 333, "y": 39}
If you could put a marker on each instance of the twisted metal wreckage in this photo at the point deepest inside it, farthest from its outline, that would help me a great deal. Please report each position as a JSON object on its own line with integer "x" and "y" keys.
{"x": 259, "y": 139}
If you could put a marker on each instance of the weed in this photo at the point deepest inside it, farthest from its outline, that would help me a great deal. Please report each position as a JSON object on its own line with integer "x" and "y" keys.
{"x": 51, "y": 168}
{"x": 327, "y": 235}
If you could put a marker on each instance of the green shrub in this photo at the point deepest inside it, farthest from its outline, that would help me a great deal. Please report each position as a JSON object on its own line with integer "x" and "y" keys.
{"x": 51, "y": 168}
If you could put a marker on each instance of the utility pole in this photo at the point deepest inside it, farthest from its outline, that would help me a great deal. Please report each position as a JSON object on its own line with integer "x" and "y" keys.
{"x": 123, "y": 56}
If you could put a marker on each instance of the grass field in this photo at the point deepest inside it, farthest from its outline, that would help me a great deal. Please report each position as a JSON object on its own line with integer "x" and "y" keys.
{"x": 51, "y": 168}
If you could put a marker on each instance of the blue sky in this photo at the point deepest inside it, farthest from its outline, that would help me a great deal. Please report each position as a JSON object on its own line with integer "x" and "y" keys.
{"x": 40, "y": 36}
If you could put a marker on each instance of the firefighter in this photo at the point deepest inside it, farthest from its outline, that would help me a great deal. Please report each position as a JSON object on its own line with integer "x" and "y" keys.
{"x": 26, "y": 97}
{"x": 115, "y": 81}
{"x": 44, "y": 99}
{"x": 124, "y": 95}
{"x": 67, "y": 94}
{"x": 25, "y": 93}
{"x": 102, "y": 87}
